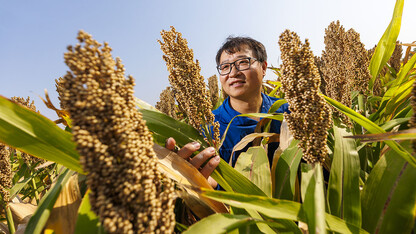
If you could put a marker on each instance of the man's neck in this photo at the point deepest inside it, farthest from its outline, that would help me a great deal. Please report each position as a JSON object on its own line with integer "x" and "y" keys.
{"x": 247, "y": 106}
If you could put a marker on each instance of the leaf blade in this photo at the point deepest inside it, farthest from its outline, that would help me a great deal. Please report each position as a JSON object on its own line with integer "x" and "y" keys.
{"x": 36, "y": 135}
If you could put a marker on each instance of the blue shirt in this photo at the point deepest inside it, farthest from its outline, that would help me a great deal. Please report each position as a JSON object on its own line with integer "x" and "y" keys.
{"x": 242, "y": 126}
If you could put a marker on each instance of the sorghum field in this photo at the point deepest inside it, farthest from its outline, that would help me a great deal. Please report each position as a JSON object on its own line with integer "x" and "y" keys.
{"x": 346, "y": 161}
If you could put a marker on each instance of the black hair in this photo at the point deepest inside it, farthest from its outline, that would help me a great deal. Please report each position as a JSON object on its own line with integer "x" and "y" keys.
{"x": 234, "y": 44}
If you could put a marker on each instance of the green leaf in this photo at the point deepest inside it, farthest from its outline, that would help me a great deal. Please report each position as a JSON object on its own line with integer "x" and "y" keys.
{"x": 17, "y": 187}
{"x": 400, "y": 95}
{"x": 36, "y": 135}
{"x": 264, "y": 228}
{"x": 372, "y": 128}
{"x": 387, "y": 43}
{"x": 237, "y": 182}
{"x": 276, "y": 105}
{"x": 286, "y": 172}
{"x": 389, "y": 125}
{"x": 389, "y": 196}
{"x": 220, "y": 223}
{"x": 408, "y": 134}
{"x": 313, "y": 197}
{"x": 343, "y": 186}
{"x": 277, "y": 209}
{"x": 40, "y": 217}
{"x": 166, "y": 126}
{"x": 254, "y": 165}
{"x": 87, "y": 221}
{"x": 402, "y": 77}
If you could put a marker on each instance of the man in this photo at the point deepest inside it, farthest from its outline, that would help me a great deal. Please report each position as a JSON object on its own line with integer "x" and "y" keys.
{"x": 242, "y": 64}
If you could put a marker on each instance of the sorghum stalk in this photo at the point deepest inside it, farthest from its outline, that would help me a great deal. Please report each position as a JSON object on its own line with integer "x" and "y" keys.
{"x": 128, "y": 192}
{"x": 310, "y": 116}
{"x": 188, "y": 85}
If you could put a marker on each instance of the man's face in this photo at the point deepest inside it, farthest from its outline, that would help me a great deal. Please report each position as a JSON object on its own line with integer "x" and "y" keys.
{"x": 242, "y": 85}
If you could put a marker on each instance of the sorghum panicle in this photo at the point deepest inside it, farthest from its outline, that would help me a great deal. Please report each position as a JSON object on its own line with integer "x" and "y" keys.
{"x": 59, "y": 90}
{"x": 213, "y": 89}
{"x": 5, "y": 173}
{"x": 167, "y": 103}
{"x": 357, "y": 62}
{"x": 187, "y": 83}
{"x": 128, "y": 192}
{"x": 310, "y": 116}
{"x": 338, "y": 86}
{"x": 396, "y": 57}
{"x": 319, "y": 62}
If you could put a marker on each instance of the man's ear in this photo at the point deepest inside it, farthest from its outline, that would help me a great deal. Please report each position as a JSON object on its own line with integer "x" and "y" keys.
{"x": 264, "y": 67}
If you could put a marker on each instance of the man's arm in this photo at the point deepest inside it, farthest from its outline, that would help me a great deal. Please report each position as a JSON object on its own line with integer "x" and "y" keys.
{"x": 198, "y": 160}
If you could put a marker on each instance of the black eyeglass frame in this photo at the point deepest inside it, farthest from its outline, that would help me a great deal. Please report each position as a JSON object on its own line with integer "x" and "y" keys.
{"x": 233, "y": 63}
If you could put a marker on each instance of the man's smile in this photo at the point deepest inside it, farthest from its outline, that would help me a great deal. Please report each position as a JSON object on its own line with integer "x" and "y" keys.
{"x": 237, "y": 83}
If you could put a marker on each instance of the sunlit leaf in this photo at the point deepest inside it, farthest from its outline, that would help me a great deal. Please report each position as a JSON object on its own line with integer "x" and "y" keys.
{"x": 387, "y": 43}
{"x": 278, "y": 209}
{"x": 276, "y": 105}
{"x": 254, "y": 165}
{"x": 87, "y": 221}
{"x": 372, "y": 128}
{"x": 220, "y": 223}
{"x": 343, "y": 187}
{"x": 248, "y": 139}
{"x": 313, "y": 197}
{"x": 36, "y": 135}
{"x": 285, "y": 172}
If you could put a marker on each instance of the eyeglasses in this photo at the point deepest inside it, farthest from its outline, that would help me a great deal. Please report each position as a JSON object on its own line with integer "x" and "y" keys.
{"x": 240, "y": 64}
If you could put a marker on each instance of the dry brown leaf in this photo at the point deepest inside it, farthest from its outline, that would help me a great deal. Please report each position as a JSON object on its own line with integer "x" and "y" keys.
{"x": 181, "y": 171}
{"x": 22, "y": 212}
{"x": 65, "y": 211}
{"x": 4, "y": 228}
{"x": 61, "y": 113}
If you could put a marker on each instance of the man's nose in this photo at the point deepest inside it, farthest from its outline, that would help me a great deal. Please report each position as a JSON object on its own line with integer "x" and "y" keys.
{"x": 234, "y": 71}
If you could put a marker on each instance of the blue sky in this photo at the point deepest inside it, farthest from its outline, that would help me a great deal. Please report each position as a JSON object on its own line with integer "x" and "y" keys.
{"x": 34, "y": 34}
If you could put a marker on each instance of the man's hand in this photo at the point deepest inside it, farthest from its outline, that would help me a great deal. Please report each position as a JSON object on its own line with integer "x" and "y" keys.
{"x": 198, "y": 159}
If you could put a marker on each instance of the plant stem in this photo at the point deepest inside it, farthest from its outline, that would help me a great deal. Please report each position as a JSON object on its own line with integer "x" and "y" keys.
{"x": 9, "y": 218}
{"x": 36, "y": 190}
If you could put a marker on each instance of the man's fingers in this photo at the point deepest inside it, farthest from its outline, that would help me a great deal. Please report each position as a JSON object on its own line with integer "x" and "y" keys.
{"x": 203, "y": 156}
{"x": 189, "y": 149}
{"x": 212, "y": 182}
{"x": 170, "y": 144}
{"x": 210, "y": 166}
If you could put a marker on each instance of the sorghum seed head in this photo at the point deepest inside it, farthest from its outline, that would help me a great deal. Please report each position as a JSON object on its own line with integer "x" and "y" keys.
{"x": 187, "y": 83}
{"x": 5, "y": 173}
{"x": 310, "y": 116}
{"x": 128, "y": 192}
{"x": 167, "y": 103}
